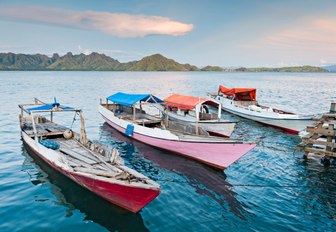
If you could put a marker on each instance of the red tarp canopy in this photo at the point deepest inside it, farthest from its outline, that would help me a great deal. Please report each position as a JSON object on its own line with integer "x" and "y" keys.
{"x": 187, "y": 102}
{"x": 240, "y": 94}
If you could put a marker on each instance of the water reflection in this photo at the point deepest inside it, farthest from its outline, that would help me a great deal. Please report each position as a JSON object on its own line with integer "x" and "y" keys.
{"x": 205, "y": 180}
{"x": 74, "y": 197}
{"x": 320, "y": 182}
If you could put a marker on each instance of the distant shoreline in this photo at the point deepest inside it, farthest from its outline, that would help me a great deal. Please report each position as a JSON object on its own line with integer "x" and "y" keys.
{"x": 101, "y": 62}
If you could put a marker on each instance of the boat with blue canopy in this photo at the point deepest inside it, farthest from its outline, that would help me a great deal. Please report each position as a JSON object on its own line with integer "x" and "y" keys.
{"x": 90, "y": 164}
{"x": 126, "y": 113}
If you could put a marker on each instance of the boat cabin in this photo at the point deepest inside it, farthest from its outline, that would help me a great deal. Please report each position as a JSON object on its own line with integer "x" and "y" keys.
{"x": 195, "y": 107}
{"x": 241, "y": 96}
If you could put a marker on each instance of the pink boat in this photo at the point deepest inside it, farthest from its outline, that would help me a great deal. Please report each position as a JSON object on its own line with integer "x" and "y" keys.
{"x": 126, "y": 114}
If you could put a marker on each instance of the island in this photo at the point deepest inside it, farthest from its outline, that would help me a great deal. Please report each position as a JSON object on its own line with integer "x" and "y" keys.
{"x": 100, "y": 62}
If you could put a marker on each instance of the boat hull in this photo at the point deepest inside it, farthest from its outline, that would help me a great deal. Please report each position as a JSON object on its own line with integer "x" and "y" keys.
{"x": 126, "y": 196}
{"x": 216, "y": 154}
{"x": 292, "y": 124}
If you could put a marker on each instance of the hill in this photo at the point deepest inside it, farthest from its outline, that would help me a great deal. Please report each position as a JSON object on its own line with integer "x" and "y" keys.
{"x": 158, "y": 62}
{"x": 101, "y": 62}
{"x": 305, "y": 68}
{"x": 91, "y": 62}
{"x": 94, "y": 61}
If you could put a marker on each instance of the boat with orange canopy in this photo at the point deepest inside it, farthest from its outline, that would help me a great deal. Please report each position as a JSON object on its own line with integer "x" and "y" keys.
{"x": 197, "y": 110}
{"x": 243, "y": 102}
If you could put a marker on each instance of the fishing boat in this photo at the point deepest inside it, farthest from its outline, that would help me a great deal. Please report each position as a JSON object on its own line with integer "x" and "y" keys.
{"x": 125, "y": 112}
{"x": 91, "y": 165}
{"x": 243, "y": 102}
{"x": 189, "y": 109}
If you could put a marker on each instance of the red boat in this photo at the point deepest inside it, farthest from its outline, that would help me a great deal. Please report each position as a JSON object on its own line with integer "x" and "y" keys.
{"x": 89, "y": 164}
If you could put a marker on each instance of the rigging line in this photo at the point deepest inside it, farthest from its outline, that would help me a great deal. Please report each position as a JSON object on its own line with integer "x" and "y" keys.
{"x": 74, "y": 119}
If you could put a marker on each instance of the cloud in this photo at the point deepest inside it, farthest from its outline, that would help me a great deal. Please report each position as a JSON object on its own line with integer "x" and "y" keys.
{"x": 85, "y": 51}
{"x": 313, "y": 34}
{"x": 121, "y": 25}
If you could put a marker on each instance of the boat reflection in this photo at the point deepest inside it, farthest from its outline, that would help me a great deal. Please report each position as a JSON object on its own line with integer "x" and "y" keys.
{"x": 205, "y": 180}
{"x": 75, "y": 197}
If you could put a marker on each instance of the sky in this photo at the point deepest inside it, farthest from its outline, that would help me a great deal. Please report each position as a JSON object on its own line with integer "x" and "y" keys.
{"x": 227, "y": 33}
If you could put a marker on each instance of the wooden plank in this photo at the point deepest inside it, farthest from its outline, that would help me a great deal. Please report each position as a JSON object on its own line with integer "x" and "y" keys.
{"x": 329, "y": 115}
{"x": 319, "y": 142}
{"x": 76, "y": 155}
{"x": 79, "y": 162}
{"x": 76, "y": 147}
{"x": 108, "y": 165}
{"x": 319, "y": 151}
{"x": 321, "y": 131}
{"x": 96, "y": 172}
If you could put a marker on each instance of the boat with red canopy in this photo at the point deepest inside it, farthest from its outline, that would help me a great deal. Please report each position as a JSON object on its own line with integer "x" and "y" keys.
{"x": 197, "y": 110}
{"x": 243, "y": 102}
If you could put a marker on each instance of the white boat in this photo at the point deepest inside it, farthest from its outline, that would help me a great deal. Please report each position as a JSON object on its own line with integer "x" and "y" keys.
{"x": 126, "y": 114}
{"x": 189, "y": 109}
{"x": 243, "y": 102}
{"x": 89, "y": 164}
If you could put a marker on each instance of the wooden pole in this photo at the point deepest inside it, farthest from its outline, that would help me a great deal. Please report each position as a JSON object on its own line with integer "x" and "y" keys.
{"x": 333, "y": 108}
{"x": 219, "y": 112}
{"x": 83, "y": 132}
{"x": 197, "y": 110}
{"x": 34, "y": 127}
{"x": 134, "y": 111}
{"x": 51, "y": 116}
{"x": 166, "y": 117}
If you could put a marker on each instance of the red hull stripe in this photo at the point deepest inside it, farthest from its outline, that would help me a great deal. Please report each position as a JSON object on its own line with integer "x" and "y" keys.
{"x": 128, "y": 197}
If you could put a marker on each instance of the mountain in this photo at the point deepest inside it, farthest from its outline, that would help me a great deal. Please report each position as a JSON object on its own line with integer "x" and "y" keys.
{"x": 212, "y": 68}
{"x": 305, "y": 68}
{"x": 94, "y": 61}
{"x": 11, "y": 61}
{"x": 158, "y": 62}
{"x": 91, "y": 62}
{"x": 101, "y": 62}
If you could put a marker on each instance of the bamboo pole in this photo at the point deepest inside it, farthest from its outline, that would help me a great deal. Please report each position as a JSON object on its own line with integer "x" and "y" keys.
{"x": 83, "y": 132}
{"x": 219, "y": 112}
{"x": 197, "y": 110}
{"x": 34, "y": 127}
{"x": 134, "y": 111}
{"x": 166, "y": 117}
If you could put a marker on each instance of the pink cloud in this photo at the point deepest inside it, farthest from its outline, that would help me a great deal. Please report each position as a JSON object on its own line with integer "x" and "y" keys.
{"x": 121, "y": 25}
{"x": 312, "y": 34}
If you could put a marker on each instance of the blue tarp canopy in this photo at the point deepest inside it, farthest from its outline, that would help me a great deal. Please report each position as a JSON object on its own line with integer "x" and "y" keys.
{"x": 130, "y": 99}
{"x": 48, "y": 107}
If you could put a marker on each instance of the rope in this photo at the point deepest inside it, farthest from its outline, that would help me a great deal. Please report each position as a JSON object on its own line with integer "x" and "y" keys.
{"x": 74, "y": 119}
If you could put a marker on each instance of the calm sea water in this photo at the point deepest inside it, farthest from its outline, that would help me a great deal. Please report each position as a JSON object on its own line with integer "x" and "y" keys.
{"x": 270, "y": 189}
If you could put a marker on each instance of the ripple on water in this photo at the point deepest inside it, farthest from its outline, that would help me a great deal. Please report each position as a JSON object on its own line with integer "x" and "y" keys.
{"x": 269, "y": 189}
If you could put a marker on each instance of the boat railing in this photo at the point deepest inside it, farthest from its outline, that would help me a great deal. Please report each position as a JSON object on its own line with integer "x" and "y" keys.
{"x": 208, "y": 116}
{"x": 186, "y": 128}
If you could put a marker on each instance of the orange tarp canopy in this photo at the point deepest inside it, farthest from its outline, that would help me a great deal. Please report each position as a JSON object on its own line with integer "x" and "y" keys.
{"x": 241, "y": 94}
{"x": 187, "y": 102}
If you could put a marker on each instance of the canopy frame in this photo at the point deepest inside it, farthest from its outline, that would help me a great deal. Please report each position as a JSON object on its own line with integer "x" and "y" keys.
{"x": 55, "y": 109}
